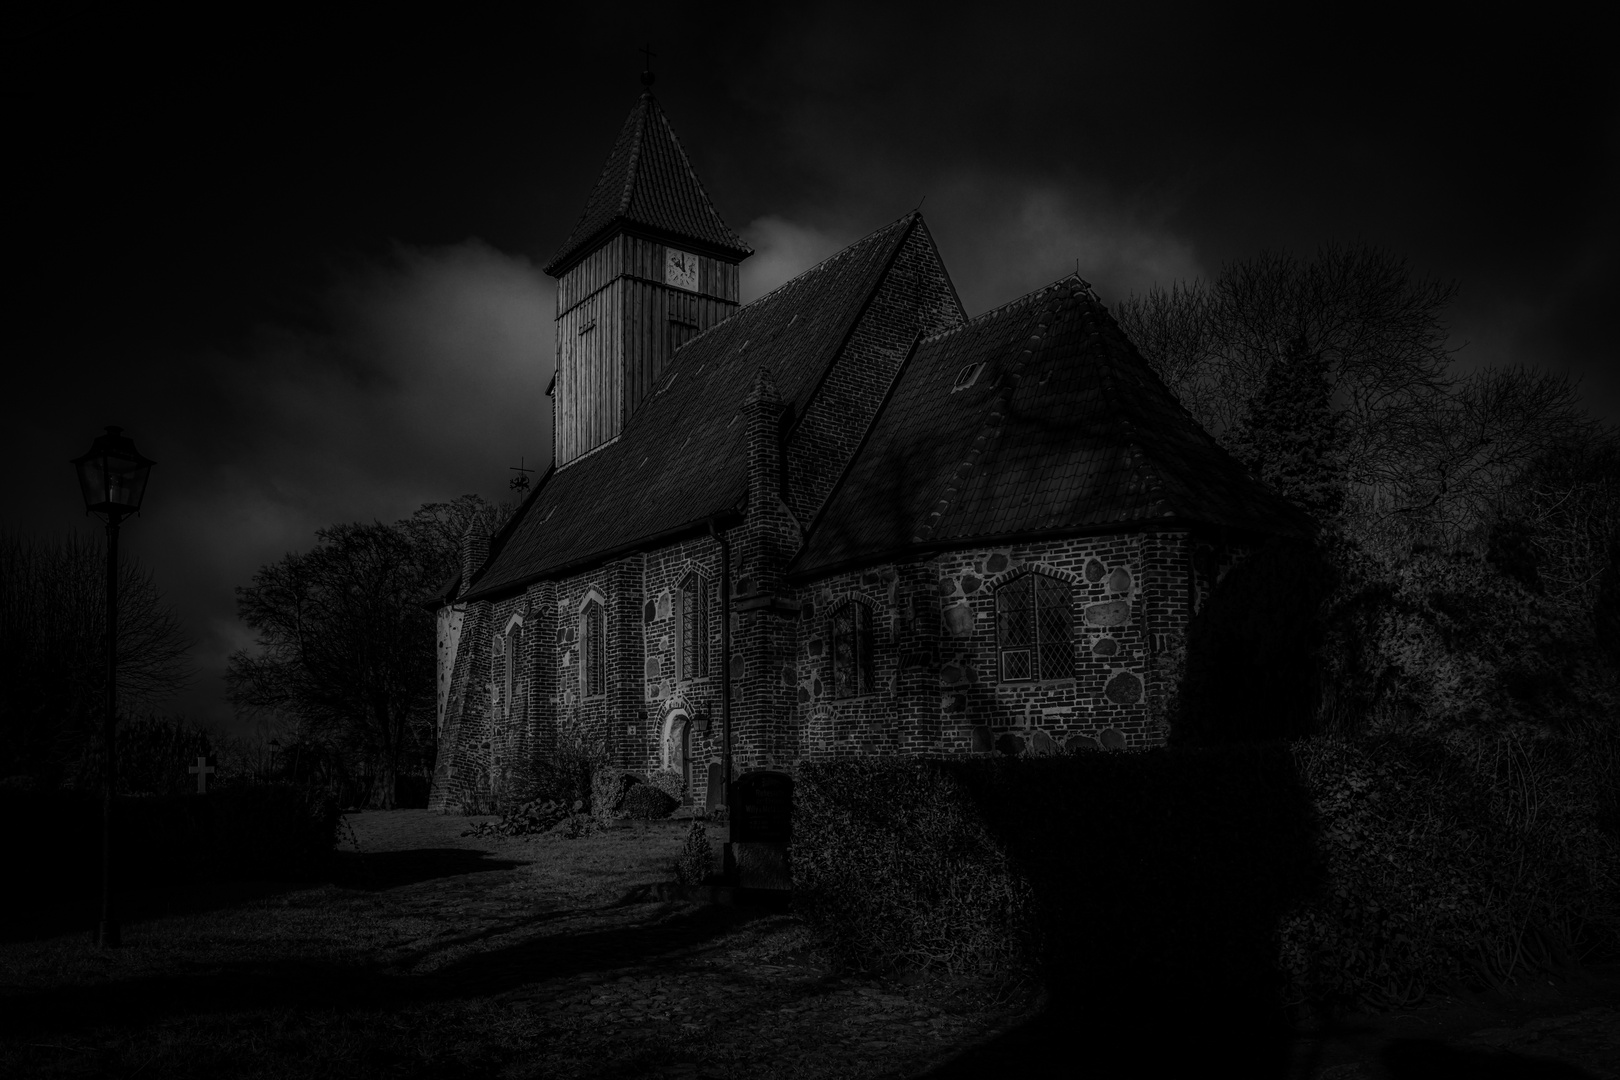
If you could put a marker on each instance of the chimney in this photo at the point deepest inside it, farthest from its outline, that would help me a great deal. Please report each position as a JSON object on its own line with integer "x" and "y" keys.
{"x": 763, "y": 409}
{"x": 474, "y": 549}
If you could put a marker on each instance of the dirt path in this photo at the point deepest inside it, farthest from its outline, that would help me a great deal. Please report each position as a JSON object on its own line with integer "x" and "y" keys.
{"x": 657, "y": 989}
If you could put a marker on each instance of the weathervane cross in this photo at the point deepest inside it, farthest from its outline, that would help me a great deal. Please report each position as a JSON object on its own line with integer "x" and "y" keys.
{"x": 646, "y": 51}
{"x": 520, "y": 482}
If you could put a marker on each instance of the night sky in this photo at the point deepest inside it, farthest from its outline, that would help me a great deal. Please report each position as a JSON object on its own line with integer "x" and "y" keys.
{"x": 298, "y": 260}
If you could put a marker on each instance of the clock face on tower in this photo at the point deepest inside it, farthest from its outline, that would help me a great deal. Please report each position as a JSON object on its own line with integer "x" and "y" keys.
{"x": 680, "y": 269}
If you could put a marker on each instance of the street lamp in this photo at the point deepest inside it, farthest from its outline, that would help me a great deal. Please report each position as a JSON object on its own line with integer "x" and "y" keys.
{"x": 112, "y": 477}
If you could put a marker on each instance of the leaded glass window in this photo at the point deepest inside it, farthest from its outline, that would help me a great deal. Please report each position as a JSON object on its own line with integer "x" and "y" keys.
{"x": 509, "y": 659}
{"x": 691, "y": 619}
{"x": 1035, "y": 629}
{"x": 592, "y": 650}
{"x": 852, "y": 650}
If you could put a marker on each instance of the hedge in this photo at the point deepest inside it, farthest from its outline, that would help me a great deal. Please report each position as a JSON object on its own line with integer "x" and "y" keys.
{"x": 266, "y": 832}
{"x": 1326, "y": 872}
{"x": 1117, "y": 869}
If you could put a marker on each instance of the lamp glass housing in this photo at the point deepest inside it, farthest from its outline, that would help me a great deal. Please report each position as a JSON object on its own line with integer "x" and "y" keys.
{"x": 112, "y": 475}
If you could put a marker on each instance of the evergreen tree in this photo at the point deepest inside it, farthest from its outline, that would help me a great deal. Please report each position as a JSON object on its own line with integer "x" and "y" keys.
{"x": 1290, "y": 435}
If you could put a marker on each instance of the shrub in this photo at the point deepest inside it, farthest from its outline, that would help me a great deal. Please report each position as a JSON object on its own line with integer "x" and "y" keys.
{"x": 669, "y": 782}
{"x": 607, "y": 793}
{"x": 1468, "y": 857}
{"x": 1451, "y": 638}
{"x": 534, "y": 816}
{"x": 566, "y": 772}
{"x": 645, "y": 803}
{"x": 696, "y": 861}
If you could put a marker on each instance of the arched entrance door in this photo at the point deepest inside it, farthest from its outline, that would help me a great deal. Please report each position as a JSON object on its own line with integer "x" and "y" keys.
{"x": 678, "y": 746}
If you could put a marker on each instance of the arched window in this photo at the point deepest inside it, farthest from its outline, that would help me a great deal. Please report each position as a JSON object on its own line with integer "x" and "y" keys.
{"x": 509, "y": 676}
{"x": 1035, "y": 629}
{"x": 852, "y": 650}
{"x": 692, "y": 628}
{"x": 592, "y": 650}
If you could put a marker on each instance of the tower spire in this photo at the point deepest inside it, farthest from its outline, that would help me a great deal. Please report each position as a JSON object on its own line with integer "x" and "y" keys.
{"x": 650, "y": 266}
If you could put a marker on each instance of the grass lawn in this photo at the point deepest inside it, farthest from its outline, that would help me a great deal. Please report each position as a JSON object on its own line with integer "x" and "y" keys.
{"x": 433, "y": 954}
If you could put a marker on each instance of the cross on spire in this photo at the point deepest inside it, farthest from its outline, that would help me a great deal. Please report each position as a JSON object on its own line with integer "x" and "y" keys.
{"x": 647, "y": 74}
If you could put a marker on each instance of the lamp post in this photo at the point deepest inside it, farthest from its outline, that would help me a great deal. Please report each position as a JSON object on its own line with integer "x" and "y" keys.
{"x": 112, "y": 478}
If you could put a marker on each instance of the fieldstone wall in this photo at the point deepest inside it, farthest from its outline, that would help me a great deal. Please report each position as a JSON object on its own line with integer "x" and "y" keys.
{"x": 938, "y": 687}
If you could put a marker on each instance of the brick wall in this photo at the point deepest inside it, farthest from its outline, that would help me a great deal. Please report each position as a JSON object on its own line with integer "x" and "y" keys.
{"x": 916, "y": 295}
{"x": 667, "y": 695}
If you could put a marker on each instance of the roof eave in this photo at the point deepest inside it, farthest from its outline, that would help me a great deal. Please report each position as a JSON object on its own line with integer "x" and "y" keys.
{"x": 726, "y": 518}
{"x": 909, "y": 551}
{"x": 571, "y": 254}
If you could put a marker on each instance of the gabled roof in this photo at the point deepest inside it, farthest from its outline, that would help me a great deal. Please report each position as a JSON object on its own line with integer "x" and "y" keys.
{"x": 1066, "y": 429}
{"x": 682, "y": 456}
{"x": 648, "y": 181}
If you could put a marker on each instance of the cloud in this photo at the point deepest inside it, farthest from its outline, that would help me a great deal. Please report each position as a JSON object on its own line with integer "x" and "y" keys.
{"x": 1003, "y": 237}
{"x": 784, "y": 249}
{"x": 423, "y": 379}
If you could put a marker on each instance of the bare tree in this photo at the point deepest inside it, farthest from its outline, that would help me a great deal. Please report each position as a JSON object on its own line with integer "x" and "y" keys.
{"x": 1377, "y": 329}
{"x": 346, "y": 644}
{"x": 1566, "y": 506}
{"x": 52, "y": 641}
{"x": 438, "y": 528}
{"x": 1451, "y": 459}
{"x": 1422, "y": 453}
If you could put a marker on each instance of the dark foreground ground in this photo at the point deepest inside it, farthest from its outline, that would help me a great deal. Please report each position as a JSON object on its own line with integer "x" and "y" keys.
{"x": 434, "y": 954}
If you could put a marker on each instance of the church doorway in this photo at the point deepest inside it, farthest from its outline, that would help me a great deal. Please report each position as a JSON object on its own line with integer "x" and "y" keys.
{"x": 678, "y": 746}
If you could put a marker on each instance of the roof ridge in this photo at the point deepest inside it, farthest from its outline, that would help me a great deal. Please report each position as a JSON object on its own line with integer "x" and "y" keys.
{"x": 648, "y": 181}
{"x": 999, "y": 405}
{"x": 1142, "y": 450}
{"x": 686, "y": 160}
{"x": 758, "y": 301}
{"x": 1001, "y": 309}
{"x": 644, "y": 108}
{"x": 828, "y": 261}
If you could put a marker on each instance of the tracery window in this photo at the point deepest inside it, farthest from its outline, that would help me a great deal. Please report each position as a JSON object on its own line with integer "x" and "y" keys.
{"x": 1035, "y": 629}
{"x": 852, "y": 649}
{"x": 692, "y": 628}
{"x": 592, "y": 650}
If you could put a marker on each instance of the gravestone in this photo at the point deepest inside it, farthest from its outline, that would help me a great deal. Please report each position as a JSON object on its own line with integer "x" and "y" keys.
{"x": 761, "y": 829}
{"x": 201, "y": 771}
{"x": 717, "y": 788}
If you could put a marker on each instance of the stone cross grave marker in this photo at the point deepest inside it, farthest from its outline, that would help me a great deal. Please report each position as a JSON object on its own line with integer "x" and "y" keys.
{"x": 201, "y": 771}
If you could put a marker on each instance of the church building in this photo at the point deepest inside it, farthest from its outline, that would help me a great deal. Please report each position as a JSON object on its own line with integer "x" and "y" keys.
{"x": 887, "y": 526}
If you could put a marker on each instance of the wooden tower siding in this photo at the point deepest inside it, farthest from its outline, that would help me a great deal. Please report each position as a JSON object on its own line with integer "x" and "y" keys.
{"x": 616, "y": 324}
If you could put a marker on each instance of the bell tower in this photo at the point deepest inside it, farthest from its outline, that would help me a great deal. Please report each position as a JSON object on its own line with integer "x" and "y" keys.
{"x": 650, "y": 265}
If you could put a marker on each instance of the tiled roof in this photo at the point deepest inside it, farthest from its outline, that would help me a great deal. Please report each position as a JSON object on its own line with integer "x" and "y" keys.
{"x": 648, "y": 181}
{"x": 1066, "y": 429}
{"x": 682, "y": 456}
